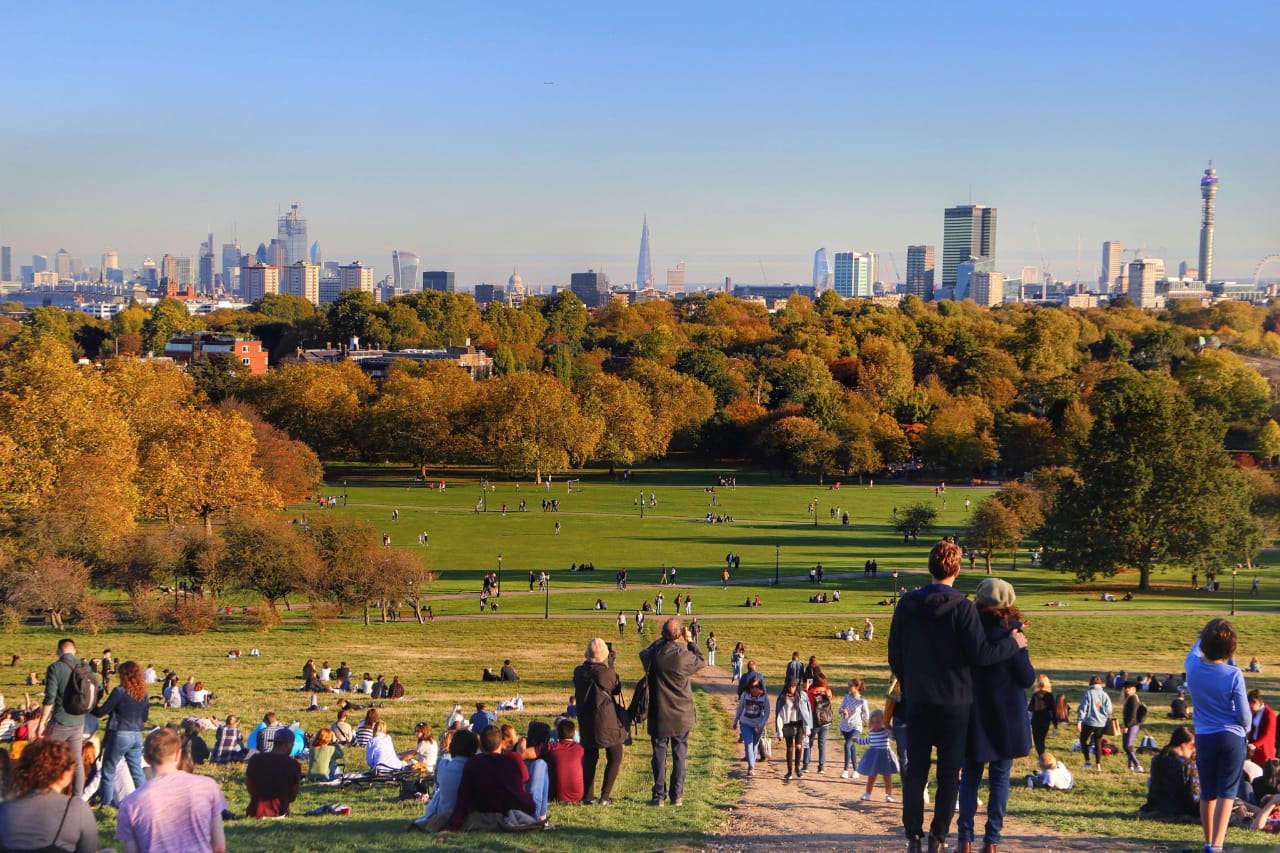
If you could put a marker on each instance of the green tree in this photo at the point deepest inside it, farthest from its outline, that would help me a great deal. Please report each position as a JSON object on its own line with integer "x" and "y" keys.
{"x": 167, "y": 319}
{"x": 914, "y": 519}
{"x": 621, "y": 406}
{"x": 1220, "y": 381}
{"x": 801, "y": 446}
{"x": 993, "y": 526}
{"x": 1268, "y": 441}
{"x": 1155, "y": 488}
{"x": 267, "y": 556}
{"x": 424, "y": 417}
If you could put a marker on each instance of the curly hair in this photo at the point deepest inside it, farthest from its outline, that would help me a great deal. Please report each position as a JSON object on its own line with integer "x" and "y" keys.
{"x": 42, "y": 763}
{"x": 131, "y": 680}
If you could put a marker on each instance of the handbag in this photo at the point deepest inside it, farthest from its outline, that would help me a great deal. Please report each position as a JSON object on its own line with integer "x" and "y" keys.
{"x": 1112, "y": 729}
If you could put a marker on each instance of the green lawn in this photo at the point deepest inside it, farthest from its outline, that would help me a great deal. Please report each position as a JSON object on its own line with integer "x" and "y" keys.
{"x": 441, "y": 662}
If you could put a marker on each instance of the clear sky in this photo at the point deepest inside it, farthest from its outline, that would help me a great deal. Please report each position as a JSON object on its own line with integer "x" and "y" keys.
{"x": 484, "y": 135}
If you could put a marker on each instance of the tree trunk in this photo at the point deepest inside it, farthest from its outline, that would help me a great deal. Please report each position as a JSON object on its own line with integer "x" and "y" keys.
{"x": 287, "y": 606}
{"x": 988, "y": 552}
{"x": 208, "y": 523}
{"x": 366, "y": 614}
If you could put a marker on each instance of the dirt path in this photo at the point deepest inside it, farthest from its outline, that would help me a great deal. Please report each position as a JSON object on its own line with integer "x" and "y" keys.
{"x": 823, "y": 813}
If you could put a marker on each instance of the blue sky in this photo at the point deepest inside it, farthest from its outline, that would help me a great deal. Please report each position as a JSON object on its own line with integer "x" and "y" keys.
{"x": 751, "y": 133}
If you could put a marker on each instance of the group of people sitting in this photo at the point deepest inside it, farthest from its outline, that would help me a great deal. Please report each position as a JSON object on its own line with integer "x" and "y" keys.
{"x": 823, "y": 598}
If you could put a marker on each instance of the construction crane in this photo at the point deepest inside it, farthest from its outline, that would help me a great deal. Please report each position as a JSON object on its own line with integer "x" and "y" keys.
{"x": 897, "y": 277}
{"x": 763, "y": 274}
{"x": 1044, "y": 265}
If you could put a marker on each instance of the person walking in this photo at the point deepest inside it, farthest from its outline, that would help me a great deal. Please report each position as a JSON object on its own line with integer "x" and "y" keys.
{"x": 736, "y": 659}
{"x": 127, "y": 706}
{"x": 820, "y": 707}
{"x": 1091, "y": 720}
{"x": 70, "y": 691}
{"x": 935, "y": 638}
{"x": 669, "y": 663}
{"x": 1043, "y": 712}
{"x": 596, "y": 690}
{"x": 793, "y": 720}
{"x": 1133, "y": 714}
{"x": 998, "y": 730}
{"x": 622, "y": 623}
{"x": 854, "y": 716}
{"x": 711, "y": 648}
{"x": 750, "y": 719}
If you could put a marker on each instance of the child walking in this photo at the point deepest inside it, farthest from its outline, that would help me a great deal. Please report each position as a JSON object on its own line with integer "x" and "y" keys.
{"x": 879, "y": 758}
{"x": 854, "y": 718}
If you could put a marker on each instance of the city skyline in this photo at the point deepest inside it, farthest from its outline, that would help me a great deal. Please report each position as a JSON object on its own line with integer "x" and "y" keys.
{"x": 516, "y": 150}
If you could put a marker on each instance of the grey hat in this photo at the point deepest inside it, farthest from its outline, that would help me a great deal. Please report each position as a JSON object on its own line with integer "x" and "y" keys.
{"x": 994, "y": 592}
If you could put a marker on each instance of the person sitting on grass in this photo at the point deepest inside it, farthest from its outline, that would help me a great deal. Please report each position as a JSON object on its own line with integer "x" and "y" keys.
{"x": 228, "y": 744}
{"x": 380, "y": 754}
{"x": 342, "y": 731}
{"x": 1174, "y": 792}
{"x": 564, "y": 763}
{"x": 43, "y": 815}
{"x": 428, "y": 750}
{"x": 1053, "y": 774}
{"x": 193, "y": 745}
{"x": 463, "y": 744}
{"x": 272, "y": 778}
{"x": 364, "y": 732}
{"x": 493, "y": 783}
{"x": 325, "y": 755}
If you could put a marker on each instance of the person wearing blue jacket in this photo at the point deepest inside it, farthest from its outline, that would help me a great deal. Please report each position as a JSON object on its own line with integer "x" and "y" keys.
{"x": 793, "y": 720}
{"x": 998, "y": 729}
{"x": 1222, "y": 720}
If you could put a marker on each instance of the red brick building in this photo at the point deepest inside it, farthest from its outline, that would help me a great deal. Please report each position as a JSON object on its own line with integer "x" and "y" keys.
{"x": 186, "y": 348}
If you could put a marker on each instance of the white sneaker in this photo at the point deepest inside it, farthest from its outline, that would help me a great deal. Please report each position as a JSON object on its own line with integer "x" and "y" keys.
{"x": 888, "y": 798}
{"x": 857, "y": 777}
{"x": 844, "y": 775}
{"x": 926, "y": 796}
{"x": 866, "y": 798}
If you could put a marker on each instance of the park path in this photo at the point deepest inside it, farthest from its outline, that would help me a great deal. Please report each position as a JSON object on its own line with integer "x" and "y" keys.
{"x": 817, "y": 814}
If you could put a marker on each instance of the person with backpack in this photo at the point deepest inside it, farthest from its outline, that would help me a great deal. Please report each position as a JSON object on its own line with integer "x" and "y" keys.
{"x": 71, "y": 690}
{"x": 669, "y": 663}
{"x": 750, "y": 719}
{"x": 1134, "y": 715}
{"x": 823, "y": 715}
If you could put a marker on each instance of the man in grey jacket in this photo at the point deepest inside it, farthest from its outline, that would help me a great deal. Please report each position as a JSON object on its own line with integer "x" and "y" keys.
{"x": 669, "y": 663}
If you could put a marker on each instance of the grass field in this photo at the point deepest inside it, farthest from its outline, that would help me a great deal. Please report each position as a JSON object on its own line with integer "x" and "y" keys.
{"x": 441, "y": 662}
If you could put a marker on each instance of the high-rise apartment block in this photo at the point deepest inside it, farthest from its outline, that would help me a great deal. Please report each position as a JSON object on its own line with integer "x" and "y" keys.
{"x": 920, "y": 271}
{"x": 1112, "y": 267}
{"x": 968, "y": 231}
{"x": 591, "y": 287}
{"x": 1143, "y": 275}
{"x": 987, "y": 288}
{"x": 853, "y": 275}
{"x": 355, "y": 276}
{"x": 675, "y": 278}
{"x": 965, "y": 271}
{"x": 303, "y": 280}
{"x": 257, "y": 280}
{"x": 441, "y": 280}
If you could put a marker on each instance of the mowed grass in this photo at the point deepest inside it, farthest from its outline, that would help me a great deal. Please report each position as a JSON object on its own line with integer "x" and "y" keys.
{"x": 441, "y": 662}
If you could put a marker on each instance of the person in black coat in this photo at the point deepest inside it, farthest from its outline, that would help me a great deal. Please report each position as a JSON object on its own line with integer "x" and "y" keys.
{"x": 596, "y": 687}
{"x": 669, "y": 663}
{"x": 998, "y": 731}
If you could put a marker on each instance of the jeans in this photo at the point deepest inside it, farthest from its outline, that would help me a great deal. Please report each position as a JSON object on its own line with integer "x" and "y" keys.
{"x": 1131, "y": 746}
{"x": 73, "y": 735}
{"x": 946, "y": 728}
{"x": 819, "y": 733}
{"x": 127, "y": 745}
{"x": 900, "y": 741}
{"x": 997, "y": 799}
{"x": 751, "y": 737}
{"x": 539, "y": 786}
{"x": 711, "y": 658}
{"x": 613, "y": 763}
{"x": 850, "y": 750}
{"x": 737, "y": 669}
{"x": 1091, "y": 738}
{"x": 679, "y": 748}
{"x": 793, "y": 736}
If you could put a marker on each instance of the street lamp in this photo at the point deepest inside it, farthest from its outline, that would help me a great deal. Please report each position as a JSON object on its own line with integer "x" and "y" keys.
{"x": 1235, "y": 570}
{"x": 546, "y": 596}
{"x": 344, "y": 492}
{"x": 499, "y": 576}
{"x": 815, "y": 512}
{"x": 777, "y": 558}
{"x": 895, "y": 589}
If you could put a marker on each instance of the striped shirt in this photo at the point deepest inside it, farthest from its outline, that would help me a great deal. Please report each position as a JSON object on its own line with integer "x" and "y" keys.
{"x": 877, "y": 740}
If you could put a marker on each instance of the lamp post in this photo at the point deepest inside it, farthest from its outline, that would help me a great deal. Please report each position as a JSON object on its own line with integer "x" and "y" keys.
{"x": 344, "y": 492}
{"x": 642, "y": 504}
{"x": 546, "y": 597}
{"x": 895, "y": 589}
{"x": 1235, "y": 570}
{"x": 777, "y": 559}
{"x": 815, "y": 512}
{"x": 499, "y": 576}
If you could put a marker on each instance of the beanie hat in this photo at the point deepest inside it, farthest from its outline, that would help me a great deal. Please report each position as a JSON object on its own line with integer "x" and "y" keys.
{"x": 994, "y": 592}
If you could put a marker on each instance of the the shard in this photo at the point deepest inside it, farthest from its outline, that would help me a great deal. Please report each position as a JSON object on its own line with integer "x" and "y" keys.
{"x": 644, "y": 270}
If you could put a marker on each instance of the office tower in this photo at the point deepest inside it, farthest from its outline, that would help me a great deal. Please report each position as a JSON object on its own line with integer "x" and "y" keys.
{"x": 853, "y": 274}
{"x": 441, "y": 280}
{"x": 1208, "y": 192}
{"x": 28, "y": 275}
{"x": 111, "y": 260}
{"x": 1143, "y": 275}
{"x": 591, "y": 287}
{"x": 354, "y": 276}
{"x": 920, "y": 271}
{"x": 257, "y": 280}
{"x": 168, "y": 268}
{"x": 276, "y": 253}
{"x": 231, "y": 260}
{"x": 968, "y": 231}
{"x": 987, "y": 288}
{"x": 148, "y": 273}
{"x": 644, "y": 269}
{"x": 404, "y": 270}
{"x": 261, "y": 254}
{"x": 39, "y": 263}
{"x": 303, "y": 280}
{"x": 291, "y": 232}
{"x": 1030, "y": 275}
{"x": 1112, "y": 266}
{"x": 484, "y": 293}
{"x": 821, "y": 271}
{"x": 675, "y": 278}
{"x": 206, "y": 273}
{"x": 317, "y": 259}
{"x": 62, "y": 265}
{"x": 964, "y": 271}
{"x": 6, "y": 263}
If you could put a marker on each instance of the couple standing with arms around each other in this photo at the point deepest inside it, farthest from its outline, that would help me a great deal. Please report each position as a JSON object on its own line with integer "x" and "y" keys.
{"x": 937, "y": 641}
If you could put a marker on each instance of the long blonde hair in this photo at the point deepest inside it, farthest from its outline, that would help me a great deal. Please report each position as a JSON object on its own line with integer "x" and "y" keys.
{"x": 1043, "y": 683}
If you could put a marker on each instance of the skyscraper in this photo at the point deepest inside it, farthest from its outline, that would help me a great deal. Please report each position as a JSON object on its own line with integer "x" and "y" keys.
{"x": 208, "y": 266}
{"x": 987, "y": 288}
{"x": 291, "y": 231}
{"x": 968, "y": 231}
{"x": 231, "y": 259}
{"x": 675, "y": 278}
{"x": 920, "y": 271}
{"x": 853, "y": 274}
{"x": 965, "y": 271}
{"x": 6, "y": 263}
{"x": 303, "y": 280}
{"x": 39, "y": 263}
{"x": 404, "y": 270}
{"x": 62, "y": 265}
{"x": 111, "y": 260}
{"x": 591, "y": 287}
{"x": 644, "y": 269}
{"x": 821, "y": 271}
{"x": 1143, "y": 275}
{"x": 261, "y": 254}
{"x": 354, "y": 276}
{"x": 1208, "y": 192}
{"x": 441, "y": 280}
{"x": 1112, "y": 266}
{"x": 317, "y": 259}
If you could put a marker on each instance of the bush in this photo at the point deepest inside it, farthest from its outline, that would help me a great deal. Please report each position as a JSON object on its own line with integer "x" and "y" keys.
{"x": 11, "y": 619}
{"x": 148, "y": 611}
{"x": 264, "y": 617}
{"x": 195, "y": 615}
{"x": 323, "y": 615}
{"x": 93, "y": 617}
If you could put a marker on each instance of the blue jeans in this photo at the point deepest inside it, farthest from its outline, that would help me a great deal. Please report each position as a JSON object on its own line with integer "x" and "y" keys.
{"x": 539, "y": 786}
{"x": 851, "y": 750}
{"x": 679, "y": 747}
{"x": 127, "y": 745}
{"x": 751, "y": 737}
{"x": 818, "y": 733}
{"x": 997, "y": 799}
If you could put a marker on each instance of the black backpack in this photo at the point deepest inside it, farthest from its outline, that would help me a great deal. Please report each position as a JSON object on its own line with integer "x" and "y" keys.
{"x": 638, "y": 710}
{"x": 81, "y": 695}
{"x": 1141, "y": 715}
{"x": 822, "y": 709}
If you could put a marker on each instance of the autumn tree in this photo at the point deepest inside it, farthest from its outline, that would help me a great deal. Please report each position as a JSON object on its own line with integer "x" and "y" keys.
{"x": 799, "y": 445}
{"x": 53, "y": 584}
{"x": 421, "y": 415}
{"x": 319, "y": 404}
{"x": 993, "y": 526}
{"x": 628, "y": 434}
{"x": 528, "y": 423}
{"x": 267, "y": 556}
{"x": 290, "y": 469}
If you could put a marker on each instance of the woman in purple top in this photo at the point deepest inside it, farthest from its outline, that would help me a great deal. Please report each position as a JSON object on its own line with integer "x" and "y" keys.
{"x": 1222, "y": 718}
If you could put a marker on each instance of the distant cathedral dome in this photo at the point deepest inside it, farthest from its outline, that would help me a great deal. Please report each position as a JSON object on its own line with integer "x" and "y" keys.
{"x": 515, "y": 284}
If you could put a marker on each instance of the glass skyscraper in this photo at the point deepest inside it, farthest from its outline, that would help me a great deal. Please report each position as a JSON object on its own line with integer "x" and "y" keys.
{"x": 291, "y": 232}
{"x": 644, "y": 269}
{"x": 404, "y": 266}
{"x": 968, "y": 231}
{"x": 853, "y": 274}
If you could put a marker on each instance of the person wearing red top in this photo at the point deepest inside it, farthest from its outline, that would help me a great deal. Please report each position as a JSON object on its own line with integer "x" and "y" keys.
{"x": 493, "y": 782}
{"x": 564, "y": 764}
{"x": 822, "y": 717}
{"x": 272, "y": 778}
{"x": 1262, "y": 734}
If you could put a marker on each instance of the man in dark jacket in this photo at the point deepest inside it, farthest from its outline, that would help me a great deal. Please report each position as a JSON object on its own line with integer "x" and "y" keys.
{"x": 934, "y": 639}
{"x": 669, "y": 663}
